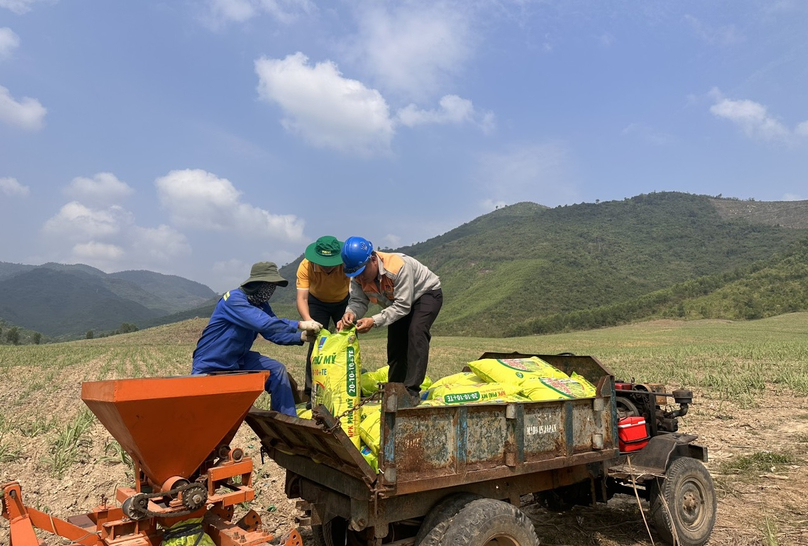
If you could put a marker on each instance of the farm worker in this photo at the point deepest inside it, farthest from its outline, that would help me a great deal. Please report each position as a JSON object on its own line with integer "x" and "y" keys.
{"x": 239, "y": 317}
{"x": 410, "y": 297}
{"x": 322, "y": 288}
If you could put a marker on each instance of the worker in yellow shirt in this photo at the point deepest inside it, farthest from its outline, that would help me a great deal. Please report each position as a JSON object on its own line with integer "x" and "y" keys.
{"x": 322, "y": 288}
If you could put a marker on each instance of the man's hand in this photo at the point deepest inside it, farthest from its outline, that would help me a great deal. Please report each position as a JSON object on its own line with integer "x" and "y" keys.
{"x": 307, "y": 336}
{"x": 364, "y": 325}
{"x": 347, "y": 320}
{"x": 310, "y": 325}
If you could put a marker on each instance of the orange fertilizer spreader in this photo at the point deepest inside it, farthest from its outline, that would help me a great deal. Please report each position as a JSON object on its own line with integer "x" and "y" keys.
{"x": 177, "y": 431}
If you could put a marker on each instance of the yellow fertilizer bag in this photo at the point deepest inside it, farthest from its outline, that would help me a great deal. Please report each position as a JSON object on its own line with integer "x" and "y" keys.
{"x": 371, "y": 458}
{"x": 550, "y": 388}
{"x": 514, "y": 370}
{"x": 469, "y": 394}
{"x": 461, "y": 378}
{"x": 335, "y": 370}
{"x": 589, "y": 389}
{"x": 302, "y": 411}
{"x": 370, "y": 380}
{"x": 370, "y": 430}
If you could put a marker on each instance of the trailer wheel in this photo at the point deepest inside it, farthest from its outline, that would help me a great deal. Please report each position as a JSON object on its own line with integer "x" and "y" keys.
{"x": 489, "y": 522}
{"x": 683, "y": 504}
{"x": 434, "y": 525}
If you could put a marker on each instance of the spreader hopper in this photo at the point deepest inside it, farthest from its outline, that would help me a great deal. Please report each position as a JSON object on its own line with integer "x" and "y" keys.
{"x": 169, "y": 426}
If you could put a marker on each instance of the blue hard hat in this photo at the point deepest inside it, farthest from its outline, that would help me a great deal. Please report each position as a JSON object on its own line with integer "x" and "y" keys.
{"x": 355, "y": 255}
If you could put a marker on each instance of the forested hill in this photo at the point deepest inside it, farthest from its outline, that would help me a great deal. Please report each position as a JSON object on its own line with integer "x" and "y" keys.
{"x": 526, "y": 268}
{"x": 69, "y": 300}
{"x": 521, "y": 269}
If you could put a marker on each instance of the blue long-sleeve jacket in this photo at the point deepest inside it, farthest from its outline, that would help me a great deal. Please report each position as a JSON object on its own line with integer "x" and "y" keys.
{"x": 233, "y": 327}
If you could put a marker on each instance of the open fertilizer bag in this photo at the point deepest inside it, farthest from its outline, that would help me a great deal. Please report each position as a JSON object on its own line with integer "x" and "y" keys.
{"x": 335, "y": 370}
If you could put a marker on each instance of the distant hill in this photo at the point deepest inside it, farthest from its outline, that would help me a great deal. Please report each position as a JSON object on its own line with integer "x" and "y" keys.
{"x": 521, "y": 269}
{"x": 68, "y": 300}
{"x": 508, "y": 271}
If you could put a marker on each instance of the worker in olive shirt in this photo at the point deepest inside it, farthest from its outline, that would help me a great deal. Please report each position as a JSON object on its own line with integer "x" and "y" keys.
{"x": 322, "y": 288}
{"x": 239, "y": 317}
{"x": 410, "y": 297}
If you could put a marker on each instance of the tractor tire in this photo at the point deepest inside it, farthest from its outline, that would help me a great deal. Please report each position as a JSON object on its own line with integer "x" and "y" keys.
{"x": 683, "y": 504}
{"x": 489, "y": 522}
{"x": 437, "y": 520}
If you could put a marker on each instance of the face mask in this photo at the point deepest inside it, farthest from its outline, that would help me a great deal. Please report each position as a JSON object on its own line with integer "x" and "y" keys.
{"x": 262, "y": 295}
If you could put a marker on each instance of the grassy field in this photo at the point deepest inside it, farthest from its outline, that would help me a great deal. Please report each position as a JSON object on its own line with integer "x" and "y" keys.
{"x": 732, "y": 360}
{"x": 45, "y": 430}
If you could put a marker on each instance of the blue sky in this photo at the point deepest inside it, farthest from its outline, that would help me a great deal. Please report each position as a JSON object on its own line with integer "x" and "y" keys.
{"x": 195, "y": 138}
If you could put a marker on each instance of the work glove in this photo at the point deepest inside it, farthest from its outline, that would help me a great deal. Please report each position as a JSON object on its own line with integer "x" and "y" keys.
{"x": 310, "y": 325}
{"x": 307, "y": 336}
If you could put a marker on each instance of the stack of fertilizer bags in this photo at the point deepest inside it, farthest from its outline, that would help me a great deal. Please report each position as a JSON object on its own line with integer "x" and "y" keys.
{"x": 338, "y": 382}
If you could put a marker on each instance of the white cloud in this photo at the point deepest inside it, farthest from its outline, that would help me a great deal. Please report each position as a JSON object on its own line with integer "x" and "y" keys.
{"x": 791, "y": 197}
{"x": 136, "y": 247}
{"x": 723, "y": 36}
{"x": 753, "y": 119}
{"x": 540, "y": 173}
{"x": 10, "y": 187}
{"x": 802, "y": 129}
{"x": 453, "y": 109}
{"x": 9, "y": 41}
{"x": 323, "y": 107}
{"x": 18, "y": 6}
{"x": 200, "y": 200}
{"x": 413, "y": 47}
{"x": 28, "y": 113}
{"x": 94, "y": 252}
{"x": 109, "y": 239}
{"x": 218, "y": 12}
{"x": 158, "y": 245}
{"x": 103, "y": 188}
{"x": 76, "y": 222}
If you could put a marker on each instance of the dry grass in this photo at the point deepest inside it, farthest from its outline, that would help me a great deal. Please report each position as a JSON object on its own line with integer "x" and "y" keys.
{"x": 750, "y": 381}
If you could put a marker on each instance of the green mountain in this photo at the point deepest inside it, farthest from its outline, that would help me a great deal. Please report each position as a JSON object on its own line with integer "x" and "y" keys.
{"x": 513, "y": 270}
{"x": 519, "y": 270}
{"x": 58, "y": 303}
{"x": 68, "y": 300}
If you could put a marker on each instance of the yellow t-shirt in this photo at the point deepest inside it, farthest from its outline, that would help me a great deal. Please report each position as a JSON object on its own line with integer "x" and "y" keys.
{"x": 328, "y": 287}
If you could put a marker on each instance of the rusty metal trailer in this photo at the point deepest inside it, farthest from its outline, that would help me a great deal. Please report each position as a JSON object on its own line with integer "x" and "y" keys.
{"x": 456, "y": 474}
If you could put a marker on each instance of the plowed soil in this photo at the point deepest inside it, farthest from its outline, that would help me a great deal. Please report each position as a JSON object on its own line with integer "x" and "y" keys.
{"x": 753, "y": 506}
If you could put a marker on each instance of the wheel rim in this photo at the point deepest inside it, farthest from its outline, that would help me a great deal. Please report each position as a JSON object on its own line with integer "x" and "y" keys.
{"x": 502, "y": 540}
{"x": 690, "y": 507}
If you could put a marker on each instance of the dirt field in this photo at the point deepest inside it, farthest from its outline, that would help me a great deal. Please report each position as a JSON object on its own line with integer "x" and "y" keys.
{"x": 770, "y": 502}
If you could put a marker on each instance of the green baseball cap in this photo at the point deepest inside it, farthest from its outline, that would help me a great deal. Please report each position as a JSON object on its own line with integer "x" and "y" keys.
{"x": 325, "y": 251}
{"x": 265, "y": 272}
